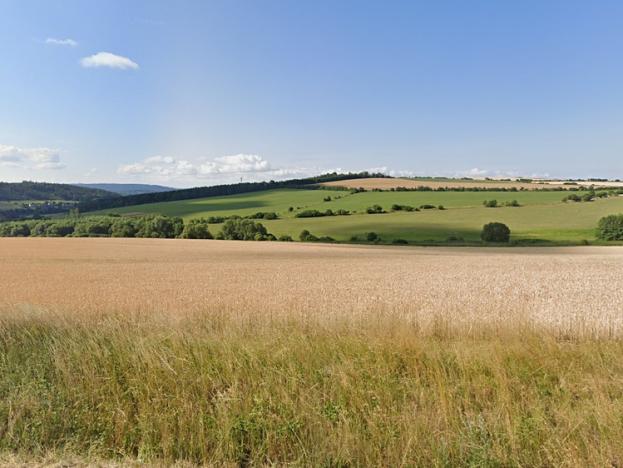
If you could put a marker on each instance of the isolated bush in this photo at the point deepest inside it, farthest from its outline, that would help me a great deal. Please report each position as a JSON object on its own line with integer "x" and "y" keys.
{"x": 441, "y": 207}
{"x": 490, "y": 203}
{"x": 610, "y": 228}
{"x": 513, "y": 203}
{"x": 196, "y": 229}
{"x": 372, "y": 237}
{"x": 495, "y": 232}
{"x": 326, "y": 199}
{"x": 427, "y": 207}
{"x": 396, "y": 207}
{"x": 306, "y": 236}
{"x": 572, "y": 197}
{"x": 375, "y": 209}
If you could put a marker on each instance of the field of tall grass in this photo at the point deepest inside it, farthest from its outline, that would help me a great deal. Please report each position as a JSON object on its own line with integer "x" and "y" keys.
{"x": 359, "y": 379}
{"x": 215, "y": 390}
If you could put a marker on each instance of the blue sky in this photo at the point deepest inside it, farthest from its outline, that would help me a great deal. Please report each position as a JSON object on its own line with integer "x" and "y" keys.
{"x": 196, "y": 93}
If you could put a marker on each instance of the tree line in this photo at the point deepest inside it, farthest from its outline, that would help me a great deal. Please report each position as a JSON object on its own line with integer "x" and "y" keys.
{"x": 219, "y": 190}
{"x": 27, "y": 190}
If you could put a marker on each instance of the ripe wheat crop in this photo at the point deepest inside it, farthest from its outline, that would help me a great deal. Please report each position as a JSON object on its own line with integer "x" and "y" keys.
{"x": 208, "y": 352}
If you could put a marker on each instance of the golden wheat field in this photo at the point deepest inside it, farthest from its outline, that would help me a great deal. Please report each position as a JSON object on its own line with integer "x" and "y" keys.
{"x": 222, "y": 353}
{"x": 566, "y": 290}
{"x": 382, "y": 183}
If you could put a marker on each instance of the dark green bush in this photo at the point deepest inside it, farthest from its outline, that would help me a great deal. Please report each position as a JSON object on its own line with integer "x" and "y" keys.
{"x": 396, "y": 207}
{"x": 372, "y": 237}
{"x": 196, "y": 229}
{"x": 375, "y": 209}
{"x": 60, "y": 229}
{"x": 243, "y": 229}
{"x": 306, "y": 236}
{"x": 572, "y": 197}
{"x": 490, "y": 203}
{"x": 495, "y": 232}
{"x": 93, "y": 227}
{"x": 123, "y": 227}
{"x": 610, "y": 228}
{"x": 160, "y": 227}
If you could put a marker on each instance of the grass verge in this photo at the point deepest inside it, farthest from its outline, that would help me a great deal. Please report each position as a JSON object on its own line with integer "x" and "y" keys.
{"x": 221, "y": 391}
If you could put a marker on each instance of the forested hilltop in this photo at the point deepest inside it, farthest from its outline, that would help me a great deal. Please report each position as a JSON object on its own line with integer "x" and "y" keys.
{"x": 18, "y": 191}
{"x": 218, "y": 190}
{"x": 27, "y": 199}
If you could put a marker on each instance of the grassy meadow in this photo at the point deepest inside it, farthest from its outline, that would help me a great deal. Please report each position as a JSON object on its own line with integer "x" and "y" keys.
{"x": 163, "y": 351}
{"x": 542, "y": 216}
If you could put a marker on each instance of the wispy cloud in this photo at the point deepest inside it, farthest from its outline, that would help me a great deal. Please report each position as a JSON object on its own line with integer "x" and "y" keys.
{"x": 109, "y": 60}
{"x": 30, "y": 158}
{"x": 232, "y": 167}
{"x": 168, "y": 166}
{"x": 61, "y": 42}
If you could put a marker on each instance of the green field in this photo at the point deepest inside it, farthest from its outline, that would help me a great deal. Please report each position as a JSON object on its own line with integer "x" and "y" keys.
{"x": 542, "y": 217}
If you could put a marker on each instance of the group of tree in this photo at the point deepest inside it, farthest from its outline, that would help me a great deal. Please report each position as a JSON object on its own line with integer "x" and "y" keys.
{"x": 592, "y": 195}
{"x": 96, "y": 226}
{"x": 396, "y": 207}
{"x": 26, "y": 190}
{"x": 495, "y": 204}
{"x": 320, "y": 214}
{"x": 306, "y": 236}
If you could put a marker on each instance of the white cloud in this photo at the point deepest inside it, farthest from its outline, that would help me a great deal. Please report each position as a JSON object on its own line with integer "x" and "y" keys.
{"x": 171, "y": 167}
{"x": 224, "y": 168}
{"x": 61, "y": 42}
{"x": 106, "y": 59}
{"x": 30, "y": 158}
{"x": 235, "y": 164}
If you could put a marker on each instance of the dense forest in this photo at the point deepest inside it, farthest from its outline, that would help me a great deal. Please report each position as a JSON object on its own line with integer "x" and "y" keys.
{"x": 217, "y": 190}
{"x": 128, "y": 189}
{"x": 27, "y": 190}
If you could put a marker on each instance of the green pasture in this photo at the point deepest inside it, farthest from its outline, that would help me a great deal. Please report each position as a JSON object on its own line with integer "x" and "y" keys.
{"x": 543, "y": 217}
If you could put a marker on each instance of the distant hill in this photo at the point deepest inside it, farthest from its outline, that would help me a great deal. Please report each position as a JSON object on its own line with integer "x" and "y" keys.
{"x": 128, "y": 189}
{"x": 218, "y": 190}
{"x": 16, "y": 191}
{"x": 23, "y": 200}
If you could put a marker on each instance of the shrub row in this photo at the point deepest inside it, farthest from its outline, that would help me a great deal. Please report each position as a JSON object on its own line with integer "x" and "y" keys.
{"x": 495, "y": 204}
{"x": 154, "y": 226}
{"x": 319, "y": 214}
{"x": 592, "y": 195}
